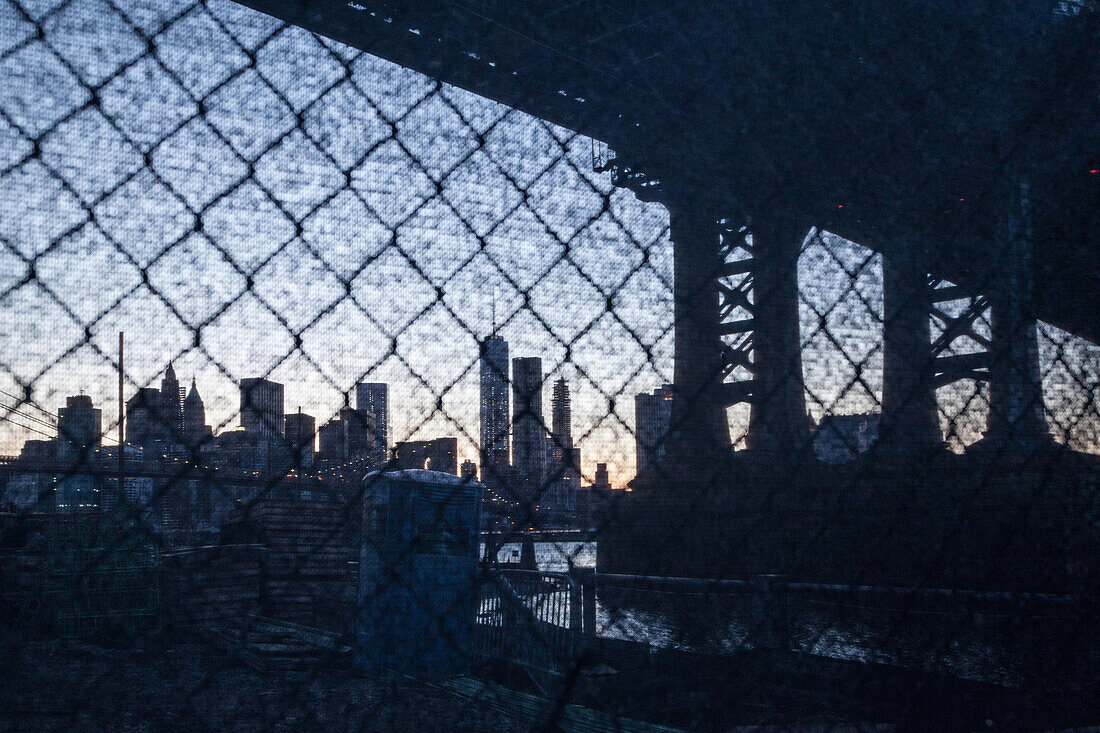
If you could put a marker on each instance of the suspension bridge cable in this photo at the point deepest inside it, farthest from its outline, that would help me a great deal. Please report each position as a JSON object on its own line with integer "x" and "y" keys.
{"x": 24, "y": 401}
{"x": 27, "y": 427}
{"x": 40, "y": 421}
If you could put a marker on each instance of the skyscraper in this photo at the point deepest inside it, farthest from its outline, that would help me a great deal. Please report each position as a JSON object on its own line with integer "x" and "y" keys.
{"x": 374, "y": 397}
{"x": 170, "y": 411}
{"x": 652, "y": 417}
{"x": 332, "y": 446}
{"x": 79, "y": 433}
{"x": 360, "y": 435}
{"x": 301, "y": 429}
{"x": 262, "y": 407}
{"x": 563, "y": 474}
{"x": 142, "y": 417}
{"x": 495, "y": 424}
{"x": 196, "y": 432}
{"x": 528, "y": 428}
{"x": 79, "y": 428}
{"x": 561, "y": 419}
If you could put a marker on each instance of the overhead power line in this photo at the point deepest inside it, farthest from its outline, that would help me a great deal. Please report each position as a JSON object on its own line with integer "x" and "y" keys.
{"x": 8, "y": 418}
{"x": 16, "y": 411}
{"x": 24, "y": 401}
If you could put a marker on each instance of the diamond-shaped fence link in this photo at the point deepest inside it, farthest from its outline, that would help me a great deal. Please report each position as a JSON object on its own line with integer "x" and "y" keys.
{"x": 253, "y": 280}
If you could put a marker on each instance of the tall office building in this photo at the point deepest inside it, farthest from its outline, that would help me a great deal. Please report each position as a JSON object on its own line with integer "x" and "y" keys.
{"x": 196, "y": 432}
{"x": 360, "y": 435}
{"x": 300, "y": 431}
{"x": 528, "y": 428}
{"x": 157, "y": 416}
{"x": 561, "y": 419}
{"x": 79, "y": 428}
{"x": 332, "y": 446}
{"x": 563, "y": 476}
{"x": 171, "y": 407}
{"x": 143, "y": 417}
{"x": 79, "y": 433}
{"x": 565, "y": 459}
{"x": 350, "y": 436}
{"x": 374, "y": 397}
{"x": 262, "y": 407}
{"x": 495, "y": 425}
{"x": 652, "y": 418}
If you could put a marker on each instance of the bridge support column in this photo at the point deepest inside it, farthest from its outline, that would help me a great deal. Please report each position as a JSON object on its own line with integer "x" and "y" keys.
{"x": 699, "y": 432}
{"x": 778, "y": 422}
{"x": 1017, "y": 418}
{"x": 910, "y": 420}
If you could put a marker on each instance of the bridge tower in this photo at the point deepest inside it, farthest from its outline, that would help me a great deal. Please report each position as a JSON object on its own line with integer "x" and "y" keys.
{"x": 1017, "y": 417}
{"x": 914, "y": 365}
{"x": 910, "y": 418}
{"x": 735, "y": 292}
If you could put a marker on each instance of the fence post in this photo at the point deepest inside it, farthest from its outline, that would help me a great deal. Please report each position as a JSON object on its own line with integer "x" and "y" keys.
{"x": 576, "y": 617}
{"x": 770, "y": 613}
{"x": 582, "y": 609}
{"x": 588, "y": 600}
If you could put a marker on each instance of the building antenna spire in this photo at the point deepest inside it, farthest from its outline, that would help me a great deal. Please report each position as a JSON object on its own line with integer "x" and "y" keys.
{"x": 494, "y": 310}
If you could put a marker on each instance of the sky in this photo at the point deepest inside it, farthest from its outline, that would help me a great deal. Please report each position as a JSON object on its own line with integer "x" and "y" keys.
{"x": 326, "y": 217}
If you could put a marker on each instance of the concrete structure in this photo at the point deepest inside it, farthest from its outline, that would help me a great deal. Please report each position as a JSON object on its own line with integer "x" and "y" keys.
{"x": 262, "y": 407}
{"x": 494, "y": 413}
{"x": 440, "y": 455}
{"x": 374, "y": 397}
{"x": 652, "y": 420}
{"x": 417, "y": 573}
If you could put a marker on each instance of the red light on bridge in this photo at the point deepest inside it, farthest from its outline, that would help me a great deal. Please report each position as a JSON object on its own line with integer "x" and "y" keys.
{"x": 840, "y": 206}
{"x": 1095, "y": 171}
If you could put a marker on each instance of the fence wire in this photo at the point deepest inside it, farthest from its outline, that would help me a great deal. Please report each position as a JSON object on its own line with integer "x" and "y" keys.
{"x": 252, "y": 280}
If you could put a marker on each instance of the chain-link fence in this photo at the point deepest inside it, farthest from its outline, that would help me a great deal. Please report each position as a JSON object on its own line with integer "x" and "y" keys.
{"x": 314, "y": 363}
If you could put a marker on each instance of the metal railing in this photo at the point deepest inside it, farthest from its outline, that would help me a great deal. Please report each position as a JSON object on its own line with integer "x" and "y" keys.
{"x": 529, "y": 618}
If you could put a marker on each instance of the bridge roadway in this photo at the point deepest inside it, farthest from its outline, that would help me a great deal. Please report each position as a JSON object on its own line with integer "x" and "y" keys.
{"x": 889, "y": 125}
{"x": 169, "y": 470}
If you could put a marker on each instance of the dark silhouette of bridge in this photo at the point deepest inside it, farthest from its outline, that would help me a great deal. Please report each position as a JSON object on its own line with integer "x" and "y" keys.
{"x": 955, "y": 138}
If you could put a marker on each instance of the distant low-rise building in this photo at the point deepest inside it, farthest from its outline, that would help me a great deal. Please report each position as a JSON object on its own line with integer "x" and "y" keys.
{"x": 840, "y": 438}
{"x": 440, "y": 454}
{"x": 300, "y": 433}
{"x": 652, "y": 418}
{"x": 262, "y": 407}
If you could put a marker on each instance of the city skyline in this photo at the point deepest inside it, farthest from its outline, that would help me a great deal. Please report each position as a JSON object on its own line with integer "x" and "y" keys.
{"x": 374, "y": 276}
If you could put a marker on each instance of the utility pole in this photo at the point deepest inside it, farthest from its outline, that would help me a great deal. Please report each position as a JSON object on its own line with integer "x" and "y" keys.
{"x": 121, "y": 421}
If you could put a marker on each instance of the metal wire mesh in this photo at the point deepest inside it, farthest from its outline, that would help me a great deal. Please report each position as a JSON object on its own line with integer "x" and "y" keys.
{"x": 287, "y": 221}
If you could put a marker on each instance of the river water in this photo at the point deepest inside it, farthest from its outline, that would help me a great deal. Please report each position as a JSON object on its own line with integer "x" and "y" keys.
{"x": 988, "y": 649}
